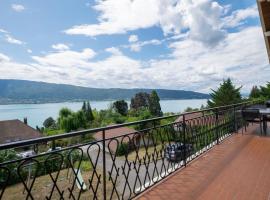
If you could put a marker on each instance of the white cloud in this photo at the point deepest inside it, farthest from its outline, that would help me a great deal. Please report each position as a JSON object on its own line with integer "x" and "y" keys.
{"x": 17, "y": 7}
{"x": 114, "y": 51}
{"x": 136, "y": 47}
{"x": 133, "y": 38}
{"x": 29, "y": 51}
{"x": 238, "y": 17}
{"x": 13, "y": 40}
{"x": 201, "y": 17}
{"x": 3, "y": 31}
{"x": 66, "y": 58}
{"x": 60, "y": 47}
{"x": 191, "y": 66}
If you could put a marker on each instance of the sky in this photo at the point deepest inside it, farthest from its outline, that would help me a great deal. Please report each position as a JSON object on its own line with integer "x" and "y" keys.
{"x": 169, "y": 44}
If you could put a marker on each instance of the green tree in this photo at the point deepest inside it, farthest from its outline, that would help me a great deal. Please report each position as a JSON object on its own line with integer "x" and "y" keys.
{"x": 255, "y": 92}
{"x": 154, "y": 105}
{"x": 265, "y": 91}
{"x": 89, "y": 113}
{"x": 84, "y": 106}
{"x": 226, "y": 94}
{"x": 140, "y": 100}
{"x": 121, "y": 107}
{"x": 64, "y": 112}
{"x": 67, "y": 120}
{"x": 49, "y": 123}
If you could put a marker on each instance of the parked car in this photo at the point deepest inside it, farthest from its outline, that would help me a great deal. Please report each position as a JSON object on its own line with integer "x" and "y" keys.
{"x": 26, "y": 154}
{"x": 175, "y": 152}
{"x": 55, "y": 149}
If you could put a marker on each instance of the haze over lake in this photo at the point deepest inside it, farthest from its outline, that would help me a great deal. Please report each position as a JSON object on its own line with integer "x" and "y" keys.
{"x": 37, "y": 113}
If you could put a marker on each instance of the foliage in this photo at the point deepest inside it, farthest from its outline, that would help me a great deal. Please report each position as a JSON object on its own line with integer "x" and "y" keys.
{"x": 122, "y": 149}
{"x": 140, "y": 100}
{"x": 70, "y": 121}
{"x": 226, "y": 94}
{"x": 89, "y": 114}
{"x": 189, "y": 109}
{"x": 121, "y": 107}
{"x": 49, "y": 123}
{"x": 154, "y": 105}
{"x": 265, "y": 91}
{"x": 255, "y": 92}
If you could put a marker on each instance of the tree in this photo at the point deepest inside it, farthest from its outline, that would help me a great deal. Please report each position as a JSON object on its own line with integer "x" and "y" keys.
{"x": 140, "y": 100}
{"x": 154, "y": 105}
{"x": 255, "y": 92}
{"x": 84, "y": 106}
{"x": 89, "y": 114}
{"x": 64, "y": 112}
{"x": 49, "y": 123}
{"x": 121, "y": 107}
{"x": 226, "y": 94}
{"x": 265, "y": 91}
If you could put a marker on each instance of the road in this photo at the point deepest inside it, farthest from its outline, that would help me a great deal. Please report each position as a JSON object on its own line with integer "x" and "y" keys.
{"x": 133, "y": 177}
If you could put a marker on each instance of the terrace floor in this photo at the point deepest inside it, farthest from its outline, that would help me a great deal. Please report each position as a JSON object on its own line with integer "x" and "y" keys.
{"x": 238, "y": 168}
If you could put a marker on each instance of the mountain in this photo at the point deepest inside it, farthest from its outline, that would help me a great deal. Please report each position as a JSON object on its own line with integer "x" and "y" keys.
{"x": 21, "y": 91}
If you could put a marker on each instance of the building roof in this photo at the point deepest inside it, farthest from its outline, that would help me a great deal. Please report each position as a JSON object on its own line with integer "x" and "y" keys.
{"x": 15, "y": 130}
{"x": 189, "y": 116}
{"x": 117, "y": 132}
{"x": 264, "y": 10}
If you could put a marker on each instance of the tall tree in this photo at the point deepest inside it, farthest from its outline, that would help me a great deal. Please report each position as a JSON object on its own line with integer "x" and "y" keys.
{"x": 140, "y": 100}
{"x": 121, "y": 107}
{"x": 255, "y": 92}
{"x": 89, "y": 112}
{"x": 226, "y": 94}
{"x": 84, "y": 106}
{"x": 154, "y": 105}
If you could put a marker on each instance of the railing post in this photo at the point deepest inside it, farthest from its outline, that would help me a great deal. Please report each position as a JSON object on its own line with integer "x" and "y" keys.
{"x": 217, "y": 126}
{"x": 104, "y": 164}
{"x": 235, "y": 120}
{"x": 184, "y": 134}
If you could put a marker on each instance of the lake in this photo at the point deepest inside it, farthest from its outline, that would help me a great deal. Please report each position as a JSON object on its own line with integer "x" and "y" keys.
{"x": 37, "y": 113}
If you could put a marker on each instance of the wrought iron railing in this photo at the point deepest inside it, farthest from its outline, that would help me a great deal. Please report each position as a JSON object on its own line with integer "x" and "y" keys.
{"x": 114, "y": 167}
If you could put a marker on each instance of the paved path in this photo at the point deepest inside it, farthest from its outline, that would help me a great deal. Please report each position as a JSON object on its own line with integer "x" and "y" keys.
{"x": 237, "y": 169}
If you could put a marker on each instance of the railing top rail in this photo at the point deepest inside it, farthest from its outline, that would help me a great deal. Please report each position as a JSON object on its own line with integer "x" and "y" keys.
{"x": 94, "y": 130}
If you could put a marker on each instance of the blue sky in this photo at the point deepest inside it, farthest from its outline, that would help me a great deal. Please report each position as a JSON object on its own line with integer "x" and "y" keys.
{"x": 173, "y": 44}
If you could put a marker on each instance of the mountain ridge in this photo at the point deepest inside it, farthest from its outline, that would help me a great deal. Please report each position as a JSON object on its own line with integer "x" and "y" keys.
{"x": 23, "y": 91}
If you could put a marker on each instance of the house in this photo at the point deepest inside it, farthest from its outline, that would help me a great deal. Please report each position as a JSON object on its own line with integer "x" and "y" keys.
{"x": 133, "y": 139}
{"x": 264, "y": 10}
{"x": 15, "y": 130}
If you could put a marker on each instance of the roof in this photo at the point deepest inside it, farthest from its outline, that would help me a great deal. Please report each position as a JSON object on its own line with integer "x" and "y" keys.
{"x": 115, "y": 133}
{"x": 189, "y": 116}
{"x": 264, "y": 10}
{"x": 15, "y": 130}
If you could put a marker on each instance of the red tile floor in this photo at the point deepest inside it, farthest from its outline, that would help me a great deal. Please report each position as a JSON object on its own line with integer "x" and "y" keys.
{"x": 237, "y": 169}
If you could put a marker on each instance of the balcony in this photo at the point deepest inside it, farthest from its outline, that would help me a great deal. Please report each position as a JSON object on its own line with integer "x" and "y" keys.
{"x": 238, "y": 168}
{"x": 192, "y": 155}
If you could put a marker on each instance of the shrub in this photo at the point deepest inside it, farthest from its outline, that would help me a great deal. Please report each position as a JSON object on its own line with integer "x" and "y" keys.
{"x": 122, "y": 149}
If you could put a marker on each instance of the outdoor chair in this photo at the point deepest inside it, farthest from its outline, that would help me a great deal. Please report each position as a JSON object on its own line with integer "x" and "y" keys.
{"x": 267, "y": 103}
{"x": 252, "y": 116}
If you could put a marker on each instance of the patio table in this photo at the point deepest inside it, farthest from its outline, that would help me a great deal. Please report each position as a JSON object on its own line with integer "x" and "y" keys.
{"x": 264, "y": 112}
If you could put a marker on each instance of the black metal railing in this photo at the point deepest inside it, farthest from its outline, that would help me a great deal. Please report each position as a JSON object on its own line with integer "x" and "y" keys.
{"x": 118, "y": 166}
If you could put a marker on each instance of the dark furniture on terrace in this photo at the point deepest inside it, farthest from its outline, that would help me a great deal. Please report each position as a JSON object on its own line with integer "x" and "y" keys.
{"x": 267, "y": 103}
{"x": 253, "y": 116}
{"x": 258, "y": 113}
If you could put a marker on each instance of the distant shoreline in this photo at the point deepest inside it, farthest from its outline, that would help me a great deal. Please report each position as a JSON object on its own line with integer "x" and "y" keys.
{"x": 15, "y": 102}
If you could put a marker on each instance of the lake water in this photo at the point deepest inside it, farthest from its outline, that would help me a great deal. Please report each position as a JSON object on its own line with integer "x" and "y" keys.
{"x": 37, "y": 113}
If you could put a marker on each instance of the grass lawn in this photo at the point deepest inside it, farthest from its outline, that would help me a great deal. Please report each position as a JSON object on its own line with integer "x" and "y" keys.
{"x": 43, "y": 186}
